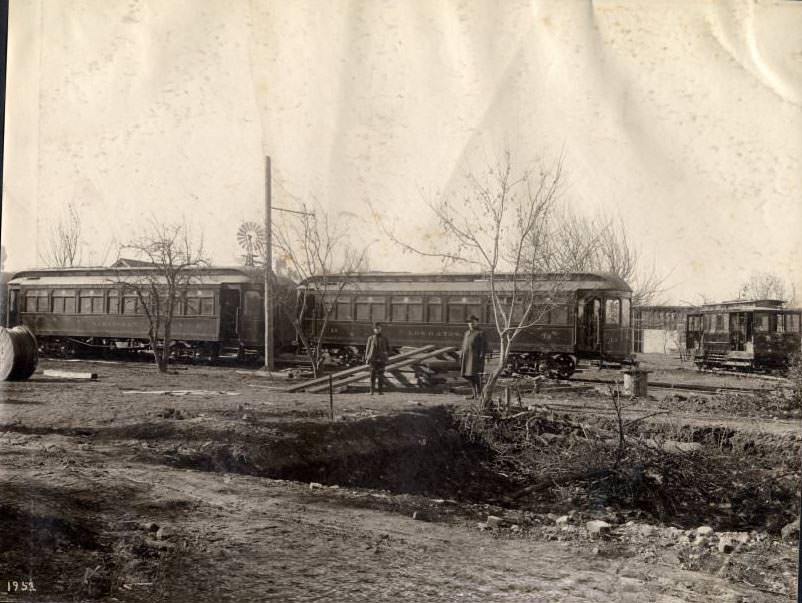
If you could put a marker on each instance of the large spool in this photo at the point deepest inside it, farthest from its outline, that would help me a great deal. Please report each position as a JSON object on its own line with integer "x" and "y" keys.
{"x": 18, "y": 354}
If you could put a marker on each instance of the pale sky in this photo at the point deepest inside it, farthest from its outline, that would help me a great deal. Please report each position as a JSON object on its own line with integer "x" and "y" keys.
{"x": 683, "y": 117}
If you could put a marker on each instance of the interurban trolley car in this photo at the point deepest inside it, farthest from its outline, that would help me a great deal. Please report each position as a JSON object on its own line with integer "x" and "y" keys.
{"x": 744, "y": 335}
{"x": 73, "y": 310}
{"x": 579, "y": 316}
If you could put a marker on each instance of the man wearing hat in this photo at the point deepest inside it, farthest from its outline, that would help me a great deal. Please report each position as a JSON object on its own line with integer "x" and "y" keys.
{"x": 377, "y": 351}
{"x": 474, "y": 348}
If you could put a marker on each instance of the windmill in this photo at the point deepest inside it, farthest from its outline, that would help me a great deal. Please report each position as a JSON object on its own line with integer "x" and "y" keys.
{"x": 251, "y": 238}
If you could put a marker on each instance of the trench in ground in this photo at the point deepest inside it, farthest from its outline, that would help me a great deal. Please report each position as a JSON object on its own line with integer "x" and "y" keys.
{"x": 732, "y": 483}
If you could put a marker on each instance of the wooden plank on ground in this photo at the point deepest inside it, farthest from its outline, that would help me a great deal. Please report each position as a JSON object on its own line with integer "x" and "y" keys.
{"x": 401, "y": 378}
{"x": 353, "y": 371}
{"x": 395, "y": 365}
{"x": 69, "y": 375}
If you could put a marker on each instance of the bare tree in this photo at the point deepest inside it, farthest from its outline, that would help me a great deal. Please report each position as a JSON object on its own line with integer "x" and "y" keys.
{"x": 577, "y": 243}
{"x": 173, "y": 256}
{"x": 499, "y": 228}
{"x": 763, "y": 285}
{"x": 63, "y": 246}
{"x": 311, "y": 243}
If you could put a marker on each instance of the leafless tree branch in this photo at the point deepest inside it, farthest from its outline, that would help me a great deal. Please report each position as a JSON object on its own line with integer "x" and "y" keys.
{"x": 63, "y": 247}
{"x": 173, "y": 255}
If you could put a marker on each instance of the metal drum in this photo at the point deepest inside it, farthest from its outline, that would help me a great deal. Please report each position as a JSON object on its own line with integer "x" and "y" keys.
{"x": 18, "y": 354}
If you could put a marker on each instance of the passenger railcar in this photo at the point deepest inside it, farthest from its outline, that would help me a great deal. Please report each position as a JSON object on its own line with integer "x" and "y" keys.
{"x": 744, "y": 335}
{"x": 74, "y": 309}
{"x": 582, "y": 316}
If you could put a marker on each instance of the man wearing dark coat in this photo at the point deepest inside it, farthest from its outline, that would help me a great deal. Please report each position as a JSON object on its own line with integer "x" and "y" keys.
{"x": 474, "y": 349}
{"x": 377, "y": 351}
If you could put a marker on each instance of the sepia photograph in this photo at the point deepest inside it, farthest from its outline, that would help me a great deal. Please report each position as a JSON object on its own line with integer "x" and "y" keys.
{"x": 370, "y": 300}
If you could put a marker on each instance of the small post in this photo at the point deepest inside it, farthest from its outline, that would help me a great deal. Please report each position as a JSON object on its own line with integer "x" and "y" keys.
{"x": 507, "y": 397}
{"x": 331, "y": 400}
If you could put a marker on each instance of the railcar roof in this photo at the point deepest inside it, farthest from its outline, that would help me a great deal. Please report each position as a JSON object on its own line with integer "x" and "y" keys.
{"x": 78, "y": 277}
{"x": 468, "y": 282}
{"x": 743, "y": 309}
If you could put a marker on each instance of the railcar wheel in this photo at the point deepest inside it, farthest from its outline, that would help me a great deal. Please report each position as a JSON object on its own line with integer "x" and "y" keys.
{"x": 67, "y": 349}
{"x": 560, "y": 366}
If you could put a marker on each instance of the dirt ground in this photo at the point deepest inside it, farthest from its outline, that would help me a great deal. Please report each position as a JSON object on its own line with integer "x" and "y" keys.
{"x": 213, "y": 485}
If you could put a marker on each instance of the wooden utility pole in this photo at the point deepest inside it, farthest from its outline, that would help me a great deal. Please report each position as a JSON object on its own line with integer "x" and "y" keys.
{"x": 269, "y": 360}
{"x": 4, "y": 45}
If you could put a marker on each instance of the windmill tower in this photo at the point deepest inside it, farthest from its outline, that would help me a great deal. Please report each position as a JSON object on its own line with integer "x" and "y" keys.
{"x": 251, "y": 239}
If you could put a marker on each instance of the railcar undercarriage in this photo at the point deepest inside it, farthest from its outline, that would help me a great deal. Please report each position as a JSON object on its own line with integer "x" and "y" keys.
{"x": 552, "y": 365}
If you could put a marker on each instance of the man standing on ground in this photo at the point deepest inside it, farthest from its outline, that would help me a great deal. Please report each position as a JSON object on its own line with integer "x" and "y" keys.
{"x": 474, "y": 348}
{"x": 377, "y": 351}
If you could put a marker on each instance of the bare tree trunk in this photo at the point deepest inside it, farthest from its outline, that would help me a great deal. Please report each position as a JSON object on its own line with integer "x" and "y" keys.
{"x": 165, "y": 354}
{"x": 310, "y": 353}
{"x": 154, "y": 345}
{"x": 490, "y": 385}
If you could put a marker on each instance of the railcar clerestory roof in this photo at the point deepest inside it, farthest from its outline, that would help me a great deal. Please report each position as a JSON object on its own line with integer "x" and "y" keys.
{"x": 103, "y": 277}
{"x": 466, "y": 282}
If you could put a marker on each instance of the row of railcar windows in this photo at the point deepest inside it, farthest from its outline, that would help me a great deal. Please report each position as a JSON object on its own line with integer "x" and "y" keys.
{"x": 431, "y": 310}
{"x": 100, "y": 301}
{"x": 762, "y": 323}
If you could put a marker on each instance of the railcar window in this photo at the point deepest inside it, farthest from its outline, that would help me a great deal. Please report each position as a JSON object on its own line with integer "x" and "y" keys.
{"x": 199, "y": 303}
{"x": 64, "y": 301}
{"x": 370, "y": 309}
{"x": 343, "y": 310}
{"x": 792, "y": 323}
{"x": 192, "y": 306}
{"x": 140, "y": 304}
{"x": 435, "y": 309}
{"x": 516, "y": 310}
{"x": 362, "y": 310}
{"x": 456, "y": 313}
{"x": 762, "y": 323}
{"x": 558, "y": 315}
{"x": 612, "y": 311}
{"x": 460, "y": 308}
{"x": 91, "y": 301}
{"x": 625, "y": 312}
{"x": 406, "y": 309}
{"x": 113, "y": 302}
{"x": 129, "y": 304}
{"x": 37, "y": 301}
{"x": 539, "y": 314}
{"x": 720, "y": 322}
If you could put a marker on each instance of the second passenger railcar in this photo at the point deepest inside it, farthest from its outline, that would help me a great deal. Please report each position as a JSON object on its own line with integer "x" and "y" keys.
{"x": 579, "y": 316}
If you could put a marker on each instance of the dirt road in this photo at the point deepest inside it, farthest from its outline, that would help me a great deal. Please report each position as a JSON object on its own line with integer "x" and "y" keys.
{"x": 100, "y": 504}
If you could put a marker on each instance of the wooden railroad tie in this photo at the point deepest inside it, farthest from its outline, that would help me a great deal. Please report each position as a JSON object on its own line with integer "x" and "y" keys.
{"x": 359, "y": 373}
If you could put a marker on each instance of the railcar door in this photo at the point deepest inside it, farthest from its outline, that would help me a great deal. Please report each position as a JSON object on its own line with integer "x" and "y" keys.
{"x": 229, "y": 314}
{"x": 13, "y": 308}
{"x": 693, "y": 332}
{"x": 740, "y": 330}
{"x": 589, "y": 324}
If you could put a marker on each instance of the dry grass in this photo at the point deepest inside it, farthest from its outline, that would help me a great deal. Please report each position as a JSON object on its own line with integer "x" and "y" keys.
{"x": 557, "y": 461}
